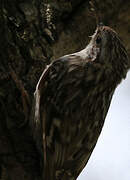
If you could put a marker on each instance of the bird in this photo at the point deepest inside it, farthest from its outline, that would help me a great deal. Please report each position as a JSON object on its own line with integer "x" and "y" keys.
{"x": 71, "y": 101}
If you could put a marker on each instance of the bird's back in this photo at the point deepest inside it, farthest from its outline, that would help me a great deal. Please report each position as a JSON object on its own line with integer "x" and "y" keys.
{"x": 73, "y": 105}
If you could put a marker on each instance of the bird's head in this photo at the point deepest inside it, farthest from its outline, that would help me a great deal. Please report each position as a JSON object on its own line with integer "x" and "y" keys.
{"x": 106, "y": 48}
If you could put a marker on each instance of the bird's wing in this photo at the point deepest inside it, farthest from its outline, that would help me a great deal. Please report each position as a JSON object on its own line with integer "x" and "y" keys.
{"x": 36, "y": 121}
{"x": 59, "y": 115}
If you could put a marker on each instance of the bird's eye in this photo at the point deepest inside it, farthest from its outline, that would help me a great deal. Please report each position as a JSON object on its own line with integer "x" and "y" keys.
{"x": 98, "y": 40}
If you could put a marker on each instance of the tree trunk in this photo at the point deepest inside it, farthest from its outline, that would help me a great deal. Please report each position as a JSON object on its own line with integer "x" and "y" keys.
{"x": 32, "y": 34}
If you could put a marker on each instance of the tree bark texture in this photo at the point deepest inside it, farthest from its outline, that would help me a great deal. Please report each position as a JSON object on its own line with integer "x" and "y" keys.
{"x": 32, "y": 34}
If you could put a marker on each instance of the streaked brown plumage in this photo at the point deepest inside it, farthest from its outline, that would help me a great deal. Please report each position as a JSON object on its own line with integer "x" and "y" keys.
{"x": 72, "y": 98}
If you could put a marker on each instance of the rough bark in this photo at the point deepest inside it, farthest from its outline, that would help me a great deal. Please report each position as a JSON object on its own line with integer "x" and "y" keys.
{"x": 33, "y": 33}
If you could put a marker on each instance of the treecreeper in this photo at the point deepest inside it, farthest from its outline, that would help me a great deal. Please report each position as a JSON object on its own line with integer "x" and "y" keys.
{"x": 71, "y": 102}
